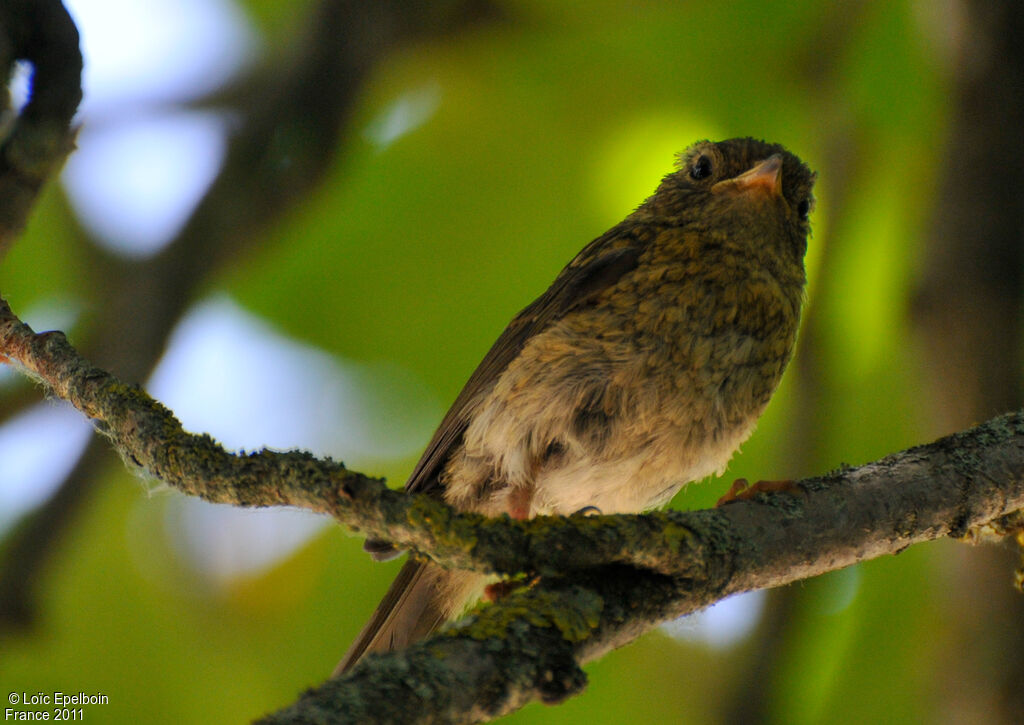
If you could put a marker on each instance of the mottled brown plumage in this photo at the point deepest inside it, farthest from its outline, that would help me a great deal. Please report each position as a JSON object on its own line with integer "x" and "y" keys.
{"x": 642, "y": 368}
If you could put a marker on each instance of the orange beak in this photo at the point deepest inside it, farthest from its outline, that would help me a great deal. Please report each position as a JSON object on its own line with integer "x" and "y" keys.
{"x": 765, "y": 176}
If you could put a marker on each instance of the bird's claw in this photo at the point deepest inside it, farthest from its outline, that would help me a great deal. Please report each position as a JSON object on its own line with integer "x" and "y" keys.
{"x": 741, "y": 490}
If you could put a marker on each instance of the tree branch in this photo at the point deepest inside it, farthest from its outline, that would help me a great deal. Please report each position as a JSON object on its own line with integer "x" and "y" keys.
{"x": 291, "y": 111}
{"x": 944, "y": 488}
{"x": 603, "y": 580}
{"x": 531, "y": 644}
{"x": 41, "y": 138}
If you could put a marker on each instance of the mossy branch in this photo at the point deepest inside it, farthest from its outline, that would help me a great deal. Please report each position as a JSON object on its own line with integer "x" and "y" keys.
{"x": 944, "y": 488}
{"x": 603, "y": 580}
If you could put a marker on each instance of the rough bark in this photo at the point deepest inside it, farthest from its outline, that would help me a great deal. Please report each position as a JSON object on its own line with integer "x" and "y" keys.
{"x": 600, "y": 581}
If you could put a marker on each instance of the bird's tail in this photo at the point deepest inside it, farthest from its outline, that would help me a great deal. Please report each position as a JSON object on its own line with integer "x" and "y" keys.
{"x": 419, "y": 601}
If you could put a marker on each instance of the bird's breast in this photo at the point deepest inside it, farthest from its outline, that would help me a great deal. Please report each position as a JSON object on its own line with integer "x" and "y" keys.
{"x": 619, "y": 404}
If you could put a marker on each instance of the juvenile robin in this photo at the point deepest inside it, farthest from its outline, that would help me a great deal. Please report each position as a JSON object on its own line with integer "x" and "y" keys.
{"x": 643, "y": 367}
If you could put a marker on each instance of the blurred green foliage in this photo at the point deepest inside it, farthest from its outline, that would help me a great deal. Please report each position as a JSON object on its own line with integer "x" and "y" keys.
{"x": 549, "y": 126}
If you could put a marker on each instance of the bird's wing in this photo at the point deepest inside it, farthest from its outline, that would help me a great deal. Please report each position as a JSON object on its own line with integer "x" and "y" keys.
{"x": 598, "y": 266}
{"x": 409, "y": 610}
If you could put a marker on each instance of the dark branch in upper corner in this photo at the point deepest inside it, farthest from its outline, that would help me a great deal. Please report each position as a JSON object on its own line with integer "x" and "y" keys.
{"x": 292, "y": 110}
{"x": 41, "y": 137}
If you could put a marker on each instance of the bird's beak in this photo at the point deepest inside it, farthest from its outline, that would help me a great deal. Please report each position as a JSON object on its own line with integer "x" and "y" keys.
{"x": 765, "y": 176}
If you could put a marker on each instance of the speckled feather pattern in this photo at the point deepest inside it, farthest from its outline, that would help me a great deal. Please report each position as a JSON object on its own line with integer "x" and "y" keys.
{"x": 620, "y": 408}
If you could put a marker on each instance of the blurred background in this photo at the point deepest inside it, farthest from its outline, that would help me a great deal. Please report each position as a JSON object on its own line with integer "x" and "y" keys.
{"x": 302, "y": 225}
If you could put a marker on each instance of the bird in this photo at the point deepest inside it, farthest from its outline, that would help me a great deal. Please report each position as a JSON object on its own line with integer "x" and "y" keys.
{"x": 642, "y": 368}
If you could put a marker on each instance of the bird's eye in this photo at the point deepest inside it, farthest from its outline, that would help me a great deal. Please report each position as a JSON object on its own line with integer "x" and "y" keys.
{"x": 701, "y": 168}
{"x": 803, "y": 209}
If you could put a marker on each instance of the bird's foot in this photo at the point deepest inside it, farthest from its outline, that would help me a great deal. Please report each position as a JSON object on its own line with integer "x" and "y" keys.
{"x": 742, "y": 490}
